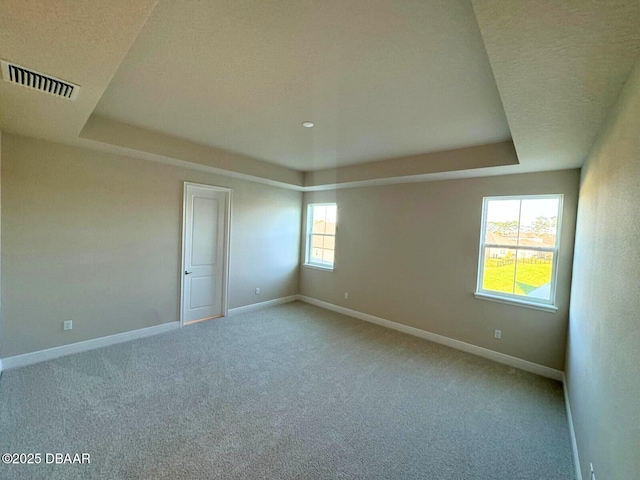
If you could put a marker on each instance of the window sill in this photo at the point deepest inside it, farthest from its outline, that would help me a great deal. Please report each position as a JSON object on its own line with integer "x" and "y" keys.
{"x": 518, "y": 303}
{"x": 318, "y": 267}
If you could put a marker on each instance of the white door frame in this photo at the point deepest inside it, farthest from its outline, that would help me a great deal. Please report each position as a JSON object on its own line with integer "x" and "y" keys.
{"x": 225, "y": 253}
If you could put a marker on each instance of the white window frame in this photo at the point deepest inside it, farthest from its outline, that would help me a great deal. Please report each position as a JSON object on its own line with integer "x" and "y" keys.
{"x": 309, "y": 233}
{"x": 537, "y": 303}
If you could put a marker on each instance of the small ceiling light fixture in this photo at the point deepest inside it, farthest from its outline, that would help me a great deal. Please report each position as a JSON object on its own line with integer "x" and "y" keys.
{"x": 307, "y": 124}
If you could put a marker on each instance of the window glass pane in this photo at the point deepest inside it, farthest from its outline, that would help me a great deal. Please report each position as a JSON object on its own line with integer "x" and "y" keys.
{"x": 539, "y": 222}
{"x": 533, "y": 274}
{"x": 315, "y": 255}
{"x": 317, "y": 241}
{"x": 499, "y": 269}
{"x": 502, "y": 217}
{"x": 518, "y": 229}
{"x": 318, "y": 226}
{"x": 322, "y": 225}
{"x": 319, "y": 214}
{"x": 329, "y": 243}
{"x": 327, "y": 256}
{"x": 330, "y": 227}
{"x": 332, "y": 213}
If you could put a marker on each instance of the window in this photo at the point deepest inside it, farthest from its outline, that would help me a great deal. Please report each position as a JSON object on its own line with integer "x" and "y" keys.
{"x": 519, "y": 249}
{"x": 321, "y": 234}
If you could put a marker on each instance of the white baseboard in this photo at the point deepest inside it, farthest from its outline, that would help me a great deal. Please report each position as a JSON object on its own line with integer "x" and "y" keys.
{"x": 449, "y": 342}
{"x": 572, "y": 432}
{"x": 259, "y": 306}
{"x": 51, "y": 353}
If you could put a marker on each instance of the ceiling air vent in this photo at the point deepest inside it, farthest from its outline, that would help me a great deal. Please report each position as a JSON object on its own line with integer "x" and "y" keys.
{"x": 39, "y": 81}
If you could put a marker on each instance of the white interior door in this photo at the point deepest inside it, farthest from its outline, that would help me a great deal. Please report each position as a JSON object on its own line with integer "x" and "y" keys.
{"x": 205, "y": 239}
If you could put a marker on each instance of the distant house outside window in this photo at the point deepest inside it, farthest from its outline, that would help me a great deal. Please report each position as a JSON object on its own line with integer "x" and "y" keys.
{"x": 519, "y": 244}
{"x": 321, "y": 234}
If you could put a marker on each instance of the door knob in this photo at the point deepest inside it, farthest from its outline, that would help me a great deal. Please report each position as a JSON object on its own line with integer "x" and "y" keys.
{"x": 187, "y": 273}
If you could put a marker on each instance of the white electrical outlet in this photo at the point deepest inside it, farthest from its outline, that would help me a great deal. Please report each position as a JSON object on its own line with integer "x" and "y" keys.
{"x": 346, "y": 295}
{"x": 497, "y": 334}
{"x": 257, "y": 291}
{"x": 67, "y": 324}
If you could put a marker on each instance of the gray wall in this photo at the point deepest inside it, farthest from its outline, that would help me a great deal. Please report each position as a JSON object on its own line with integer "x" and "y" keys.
{"x": 96, "y": 238}
{"x": 603, "y": 356}
{"x": 409, "y": 253}
{"x": 0, "y": 241}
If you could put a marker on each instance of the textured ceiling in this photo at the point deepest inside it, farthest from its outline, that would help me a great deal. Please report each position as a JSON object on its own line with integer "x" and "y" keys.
{"x": 79, "y": 41}
{"x": 559, "y": 67}
{"x": 224, "y": 85}
{"x": 380, "y": 79}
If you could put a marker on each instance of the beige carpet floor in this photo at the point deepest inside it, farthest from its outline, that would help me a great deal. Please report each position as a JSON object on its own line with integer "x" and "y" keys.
{"x": 289, "y": 392}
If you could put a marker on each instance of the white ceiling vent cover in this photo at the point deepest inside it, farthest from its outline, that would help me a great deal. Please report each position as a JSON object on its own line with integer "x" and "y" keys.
{"x": 26, "y": 77}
